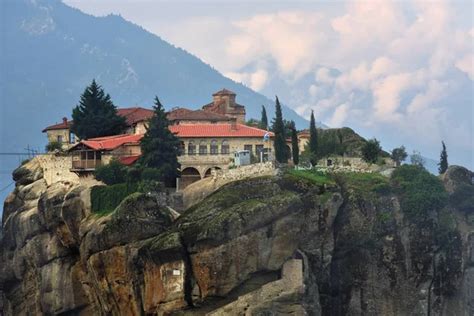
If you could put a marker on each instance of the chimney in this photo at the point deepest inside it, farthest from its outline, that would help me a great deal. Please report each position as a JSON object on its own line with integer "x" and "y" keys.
{"x": 233, "y": 124}
{"x": 65, "y": 121}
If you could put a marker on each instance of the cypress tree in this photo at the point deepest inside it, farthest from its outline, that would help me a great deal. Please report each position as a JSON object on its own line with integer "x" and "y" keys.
{"x": 281, "y": 153}
{"x": 264, "y": 119}
{"x": 313, "y": 140}
{"x": 160, "y": 147}
{"x": 294, "y": 144}
{"x": 443, "y": 160}
{"x": 96, "y": 115}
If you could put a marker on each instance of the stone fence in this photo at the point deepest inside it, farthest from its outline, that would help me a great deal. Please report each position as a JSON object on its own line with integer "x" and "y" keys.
{"x": 242, "y": 172}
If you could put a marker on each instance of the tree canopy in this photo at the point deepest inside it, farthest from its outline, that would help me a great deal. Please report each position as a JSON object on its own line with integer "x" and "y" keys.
{"x": 399, "y": 154}
{"x": 313, "y": 140}
{"x": 371, "y": 150}
{"x": 294, "y": 144}
{"x": 264, "y": 119}
{"x": 96, "y": 115}
{"x": 281, "y": 152}
{"x": 443, "y": 160}
{"x": 160, "y": 147}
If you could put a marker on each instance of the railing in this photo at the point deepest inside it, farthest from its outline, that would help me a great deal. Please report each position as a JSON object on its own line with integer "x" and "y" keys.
{"x": 86, "y": 164}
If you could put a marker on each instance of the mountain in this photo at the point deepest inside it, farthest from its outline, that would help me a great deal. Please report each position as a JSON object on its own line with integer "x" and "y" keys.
{"x": 50, "y": 52}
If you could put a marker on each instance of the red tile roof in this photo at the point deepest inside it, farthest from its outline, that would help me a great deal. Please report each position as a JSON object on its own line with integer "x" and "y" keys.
{"x": 128, "y": 160}
{"x": 65, "y": 124}
{"x": 224, "y": 92}
{"x": 132, "y": 116}
{"x": 182, "y": 114}
{"x": 135, "y": 115}
{"x": 110, "y": 142}
{"x": 217, "y": 130}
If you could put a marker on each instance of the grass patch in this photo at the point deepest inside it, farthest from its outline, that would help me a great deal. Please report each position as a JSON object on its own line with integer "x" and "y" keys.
{"x": 366, "y": 183}
{"x": 104, "y": 199}
{"x": 313, "y": 176}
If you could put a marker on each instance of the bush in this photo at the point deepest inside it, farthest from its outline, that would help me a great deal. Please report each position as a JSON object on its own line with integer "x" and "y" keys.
{"x": 104, "y": 199}
{"x": 54, "y": 145}
{"x": 151, "y": 174}
{"x": 371, "y": 151}
{"x": 150, "y": 186}
{"x": 112, "y": 173}
{"x": 420, "y": 191}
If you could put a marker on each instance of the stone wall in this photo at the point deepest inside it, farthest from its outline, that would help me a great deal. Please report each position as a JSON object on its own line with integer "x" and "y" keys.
{"x": 56, "y": 168}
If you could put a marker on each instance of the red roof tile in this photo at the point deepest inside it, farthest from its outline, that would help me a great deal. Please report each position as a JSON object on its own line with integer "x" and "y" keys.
{"x": 132, "y": 116}
{"x": 217, "y": 130}
{"x": 128, "y": 160}
{"x": 110, "y": 142}
{"x": 135, "y": 115}
{"x": 224, "y": 92}
{"x": 195, "y": 115}
{"x": 65, "y": 124}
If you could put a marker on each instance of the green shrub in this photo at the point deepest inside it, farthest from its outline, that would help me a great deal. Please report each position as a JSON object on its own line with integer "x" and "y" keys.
{"x": 151, "y": 174}
{"x": 463, "y": 198}
{"x": 54, "y": 145}
{"x": 420, "y": 191}
{"x": 104, "y": 199}
{"x": 134, "y": 174}
{"x": 313, "y": 176}
{"x": 147, "y": 186}
{"x": 25, "y": 161}
{"x": 112, "y": 173}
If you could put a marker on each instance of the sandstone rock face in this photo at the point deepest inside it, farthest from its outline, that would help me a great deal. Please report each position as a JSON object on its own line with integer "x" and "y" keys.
{"x": 272, "y": 245}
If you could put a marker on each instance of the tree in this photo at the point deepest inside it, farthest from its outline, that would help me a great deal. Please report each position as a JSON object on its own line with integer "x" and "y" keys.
{"x": 96, "y": 115}
{"x": 313, "y": 140}
{"x": 399, "y": 154}
{"x": 281, "y": 153}
{"x": 416, "y": 159}
{"x": 294, "y": 144}
{"x": 160, "y": 147}
{"x": 443, "y": 160}
{"x": 371, "y": 151}
{"x": 264, "y": 119}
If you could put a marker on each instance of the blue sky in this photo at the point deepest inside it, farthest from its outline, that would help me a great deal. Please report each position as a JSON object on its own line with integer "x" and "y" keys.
{"x": 401, "y": 71}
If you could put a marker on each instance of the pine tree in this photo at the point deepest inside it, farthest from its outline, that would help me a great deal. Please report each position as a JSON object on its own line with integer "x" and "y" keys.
{"x": 264, "y": 119}
{"x": 160, "y": 147}
{"x": 443, "y": 160}
{"x": 313, "y": 140}
{"x": 294, "y": 144}
{"x": 96, "y": 115}
{"x": 281, "y": 153}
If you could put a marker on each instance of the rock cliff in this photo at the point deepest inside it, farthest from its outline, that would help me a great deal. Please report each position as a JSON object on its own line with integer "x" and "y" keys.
{"x": 276, "y": 245}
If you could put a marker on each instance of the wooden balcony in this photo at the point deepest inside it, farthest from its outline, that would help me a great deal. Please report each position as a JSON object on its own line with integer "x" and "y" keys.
{"x": 85, "y": 165}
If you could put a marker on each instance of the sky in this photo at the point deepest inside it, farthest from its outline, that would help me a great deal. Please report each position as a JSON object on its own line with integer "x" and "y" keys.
{"x": 400, "y": 71}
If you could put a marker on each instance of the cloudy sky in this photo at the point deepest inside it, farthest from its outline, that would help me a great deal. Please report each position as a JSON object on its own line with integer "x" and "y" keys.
{"x": 401, "y": 71}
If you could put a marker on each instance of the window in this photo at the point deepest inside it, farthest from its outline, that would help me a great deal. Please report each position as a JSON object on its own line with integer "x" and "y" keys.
{"x": 225, "y": 147}
{"x": 191, "y": 148}
{"x": 181, "y": 148}
{"x": 248, "y": 147}
{"x": 60, "y": 139}
{"x": 72, "y": 138}
{"x": 258, "y": 149}
{"x": 203, "y": 148}
{"x": 214, "y": 147}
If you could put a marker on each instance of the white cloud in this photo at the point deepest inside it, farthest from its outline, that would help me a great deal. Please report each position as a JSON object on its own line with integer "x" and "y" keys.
{"x": 466, "y": 64}
{"x": 339, "y": 116}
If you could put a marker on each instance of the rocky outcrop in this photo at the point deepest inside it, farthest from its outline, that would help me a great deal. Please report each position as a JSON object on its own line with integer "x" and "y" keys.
{"x": 275, "y": 245}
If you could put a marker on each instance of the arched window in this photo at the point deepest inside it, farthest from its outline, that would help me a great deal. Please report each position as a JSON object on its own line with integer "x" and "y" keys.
{"x": 214, "y": 147}
{"x": 203, "y": 147}
{"x": 191, "y": 148}
{"x": 225, "y": 147}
